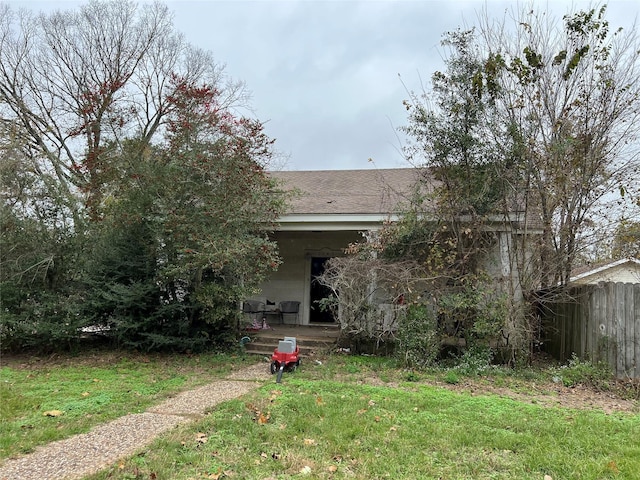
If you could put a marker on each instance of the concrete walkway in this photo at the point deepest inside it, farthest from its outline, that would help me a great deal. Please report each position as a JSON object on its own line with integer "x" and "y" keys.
{"x": 86, "y": 454}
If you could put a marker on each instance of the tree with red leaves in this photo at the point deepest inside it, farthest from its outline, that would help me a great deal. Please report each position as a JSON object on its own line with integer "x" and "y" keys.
{"x": 129, "y": 154}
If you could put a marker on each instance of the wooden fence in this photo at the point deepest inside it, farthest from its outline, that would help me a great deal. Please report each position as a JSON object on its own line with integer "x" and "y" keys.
{"x": 599, "y": 323}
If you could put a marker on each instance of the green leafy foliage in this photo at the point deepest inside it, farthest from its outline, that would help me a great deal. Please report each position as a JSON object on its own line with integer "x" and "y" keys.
{"x": 476, "y": 311}
{"x": 596, "y": 375}
{"x": 418, "y": 339}
{"x": 184, "y": 235}
{"x": 40, "y": 303}
{"x": 148, "y": 212}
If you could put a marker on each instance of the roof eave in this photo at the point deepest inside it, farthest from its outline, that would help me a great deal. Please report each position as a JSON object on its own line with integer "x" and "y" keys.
{"x": 333, "y": 222}
{"x": 604, "y": 268}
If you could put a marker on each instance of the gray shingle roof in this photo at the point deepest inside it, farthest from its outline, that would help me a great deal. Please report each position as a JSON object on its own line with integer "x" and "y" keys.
{"x": 349, "y": 191}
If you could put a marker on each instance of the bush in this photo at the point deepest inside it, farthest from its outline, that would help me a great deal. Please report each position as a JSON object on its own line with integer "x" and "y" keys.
{"x": 476, "y": 360}
{"x": 476, "y": 312}
{"x": 584, "y": 372}
{"x": 44, "y": 322}
{"x": 418, "y": 342}
{"x": 451, "y": 377}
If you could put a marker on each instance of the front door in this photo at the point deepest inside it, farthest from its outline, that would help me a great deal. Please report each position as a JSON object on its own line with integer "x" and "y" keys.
{"x": 318, "y": 292}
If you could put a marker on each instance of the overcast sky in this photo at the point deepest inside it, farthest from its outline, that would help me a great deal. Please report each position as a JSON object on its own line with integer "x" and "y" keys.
{"x": 328, "y": 77}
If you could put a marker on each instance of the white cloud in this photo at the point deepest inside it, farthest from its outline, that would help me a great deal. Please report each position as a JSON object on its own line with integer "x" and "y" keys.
{"x": 324, "y": 74}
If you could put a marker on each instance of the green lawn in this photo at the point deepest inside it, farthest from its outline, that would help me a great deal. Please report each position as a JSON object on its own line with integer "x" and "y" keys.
{"x": 325, "y": 421}
{"x": 344, "y": 418}
{"x": 90, "y": 390}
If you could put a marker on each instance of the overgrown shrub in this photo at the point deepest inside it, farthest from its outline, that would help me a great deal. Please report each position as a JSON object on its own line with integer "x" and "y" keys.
{"x": 476, "y": 312}
{"x": 597, "y": 375}
{"x": 475, "y": 360}
{"x": 417, "y": 338}
{"x": 42, "y": 322}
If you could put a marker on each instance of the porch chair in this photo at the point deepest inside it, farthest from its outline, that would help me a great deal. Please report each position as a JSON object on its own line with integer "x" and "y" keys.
{"x": 289, "y": 308}
{"x": 254, "y": 309}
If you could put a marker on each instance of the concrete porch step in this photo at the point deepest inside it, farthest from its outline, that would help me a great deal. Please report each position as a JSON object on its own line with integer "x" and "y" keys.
{"x": 312, "y": 340}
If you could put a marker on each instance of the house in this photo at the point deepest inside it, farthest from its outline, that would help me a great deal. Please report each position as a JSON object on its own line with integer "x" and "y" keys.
{"x": 332, "y": 209}
{"x": 626, "y": 270}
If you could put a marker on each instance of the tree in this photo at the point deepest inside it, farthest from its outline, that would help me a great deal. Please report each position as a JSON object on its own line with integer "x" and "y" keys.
{"x": 626, "y": 241}
{"x": 570, "y": 96}
{"x": 552, "y": 111}
{"x": 536, "y": 118}
{"x": 452, "y": 135}
{"x": 187, "y": 225}
{"x": 73, "y": 84}
{"x": 126, "y": 143}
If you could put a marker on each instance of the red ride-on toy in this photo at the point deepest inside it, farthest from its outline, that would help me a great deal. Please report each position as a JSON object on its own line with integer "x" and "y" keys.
{"x": 286, "y": 356}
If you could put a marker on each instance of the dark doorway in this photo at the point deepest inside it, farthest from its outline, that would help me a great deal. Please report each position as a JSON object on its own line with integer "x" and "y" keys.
{"x": 318, "y": 292}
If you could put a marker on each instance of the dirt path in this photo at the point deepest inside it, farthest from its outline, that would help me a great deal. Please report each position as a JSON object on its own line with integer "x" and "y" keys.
{"x": 554, "y": 395}
{"x": 85, "y": 454}
{"x": 547, "y": 395}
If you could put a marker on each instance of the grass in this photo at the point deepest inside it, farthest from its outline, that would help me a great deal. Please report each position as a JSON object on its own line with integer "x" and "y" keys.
{"x": 327, "y": 421}
{"x": 353, "y": 418}
{"x": 85, "y": 391}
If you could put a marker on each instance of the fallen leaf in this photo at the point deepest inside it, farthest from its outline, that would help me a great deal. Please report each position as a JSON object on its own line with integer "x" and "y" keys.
{"x": 274, "y": 395}
{"x": 262, "y": 418}
{"x": 319, "y": 400}
{"x": 53, "y": 413}
{"x": 306, "y": 470}
{"x": 332, "y": 468}
{"x": 377, "y": 418}
{"x": 548, "y": 477}
{"x": 310, "y": 441}
{"x": 201, "y": 437}
{"x": 371, "y": 403}
{"x": 85, "y": 394}
{"x": 360, "y": 412}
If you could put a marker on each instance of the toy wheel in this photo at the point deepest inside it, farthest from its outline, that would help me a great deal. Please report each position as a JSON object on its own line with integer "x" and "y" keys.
{"x": 274, "y": 368}
{"x": 279, "y": 378}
